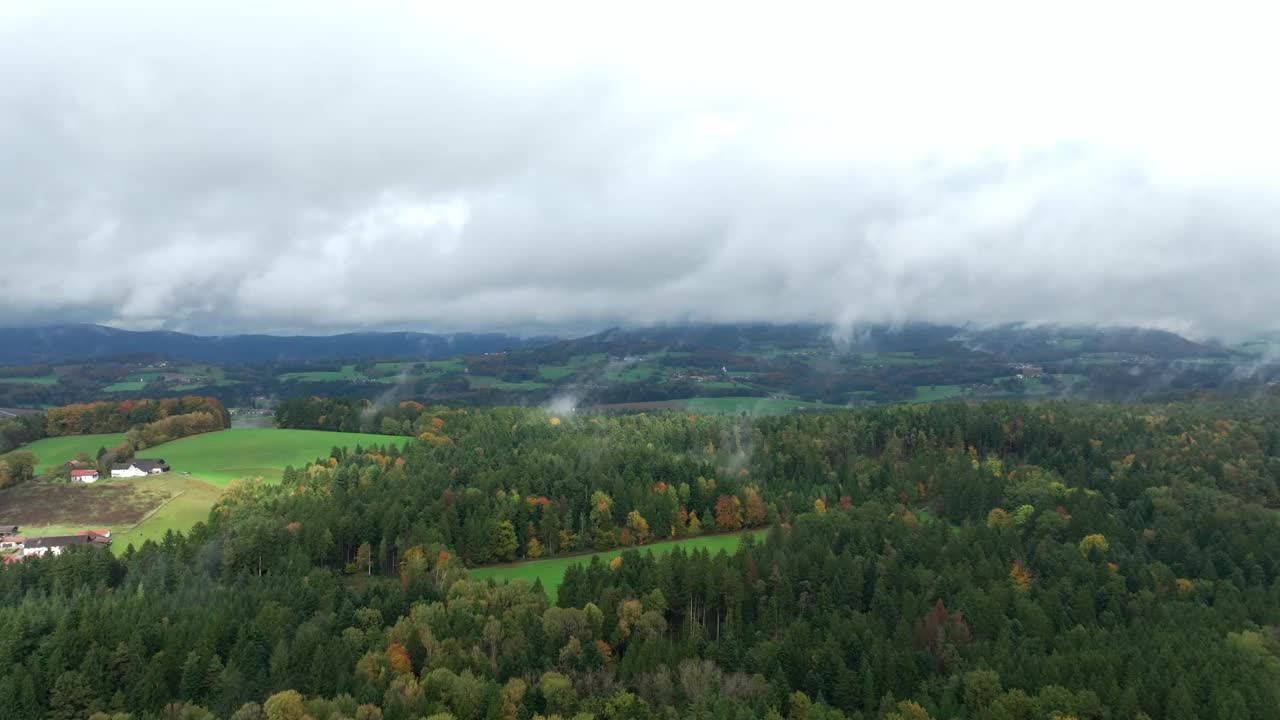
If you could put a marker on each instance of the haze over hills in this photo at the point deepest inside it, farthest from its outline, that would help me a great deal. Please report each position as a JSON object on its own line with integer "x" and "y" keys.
{"x": 61, "y": 342}
{"x": 736, "y": 366}
{"x": 82, "y": 341}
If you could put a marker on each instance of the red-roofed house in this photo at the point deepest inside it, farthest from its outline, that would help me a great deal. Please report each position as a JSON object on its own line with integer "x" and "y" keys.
{"x": 100, "y": 533}
{"x": 11, "y": 541}
{"x": 12, "y": 559}
{"x": 84, "y": 476}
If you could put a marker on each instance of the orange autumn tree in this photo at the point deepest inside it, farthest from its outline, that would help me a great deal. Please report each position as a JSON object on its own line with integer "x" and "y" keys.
{"x": 398, "y": 659}
{"x": 940, "y": 628}
{"x": 728, "y": 512}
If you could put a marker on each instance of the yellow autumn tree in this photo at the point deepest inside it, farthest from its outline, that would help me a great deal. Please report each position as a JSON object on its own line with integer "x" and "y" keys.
{"x": 1020, "y": 575}
{"x": 414, "y": 565}
{"x": 1096, "y": 541}
{"x": 639, "y": 527}
{"x": 534, "y": 548}
{"x": 998, "y": 518}
{"x": 820, "y": 506}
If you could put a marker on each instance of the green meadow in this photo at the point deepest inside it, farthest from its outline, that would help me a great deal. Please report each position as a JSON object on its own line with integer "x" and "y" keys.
{"x": 934, "y": 393}
{"x": 348, "y": 372}
{"x": 751, "y": 405}
{"x": 38, "y": 380}
{"x": 226, "y": 455}
{"x": 551, "y": 570}
{"x": 51, "y": 452}
{"x": 493, "y": 383}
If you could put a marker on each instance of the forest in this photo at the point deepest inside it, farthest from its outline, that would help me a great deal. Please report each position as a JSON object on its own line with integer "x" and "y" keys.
{"x": 1004, "y": 560}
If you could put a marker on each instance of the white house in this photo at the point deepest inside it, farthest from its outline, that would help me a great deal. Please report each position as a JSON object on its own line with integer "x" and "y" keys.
{"x": 139, "y": 468}
{"x": 84, "y": 475}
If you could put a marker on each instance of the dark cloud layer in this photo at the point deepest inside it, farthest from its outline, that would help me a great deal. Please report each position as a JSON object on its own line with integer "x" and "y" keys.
{"x": 231, "y": 167}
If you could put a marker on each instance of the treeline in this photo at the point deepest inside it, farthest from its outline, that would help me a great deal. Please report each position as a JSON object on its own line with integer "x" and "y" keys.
{"x": 1005, "y": 561}
{"x": 112, "y": 417}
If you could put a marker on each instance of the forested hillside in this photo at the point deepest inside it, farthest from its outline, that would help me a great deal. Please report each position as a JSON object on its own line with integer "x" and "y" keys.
{"x": 1001, "y": 560}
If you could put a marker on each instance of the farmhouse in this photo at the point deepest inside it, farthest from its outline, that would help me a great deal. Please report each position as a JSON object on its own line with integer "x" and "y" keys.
{"x": 8, "y": 530}
{"x": 58, "y": 544}
{"x": 11, "y": 542}
{"x": 84, "y": 475}
{"x": 139, "y": 468}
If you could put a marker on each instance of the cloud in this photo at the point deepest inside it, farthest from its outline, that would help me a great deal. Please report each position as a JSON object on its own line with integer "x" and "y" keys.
{"x": 322, "y": 166}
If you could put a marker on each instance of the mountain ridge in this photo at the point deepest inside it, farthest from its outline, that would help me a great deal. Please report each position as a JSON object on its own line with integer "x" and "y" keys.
{"x": 36, "y": 344}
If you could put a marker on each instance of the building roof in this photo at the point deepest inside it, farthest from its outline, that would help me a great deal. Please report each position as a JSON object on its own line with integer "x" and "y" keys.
{"x": 145, "y": 464}
{"x": 103, "y": 533}
{"x": 60, "y": 541}
{"x": 84, "y": 473}
{"x": 12, "y": 559}
{"x": 8, "y": 529}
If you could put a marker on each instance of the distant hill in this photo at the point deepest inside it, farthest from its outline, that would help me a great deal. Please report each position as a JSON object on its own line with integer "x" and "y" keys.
{"x": 73, "y": 342}
{"x": 1010, "y": 342}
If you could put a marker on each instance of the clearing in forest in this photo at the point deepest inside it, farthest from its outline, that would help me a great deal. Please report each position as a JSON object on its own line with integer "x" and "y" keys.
{"x": 551, "y": 570}
{"x": 226, "y": 455}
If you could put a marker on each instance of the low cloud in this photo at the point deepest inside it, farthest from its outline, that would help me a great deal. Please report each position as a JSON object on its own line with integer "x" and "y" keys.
{"x": 293, "y": 167}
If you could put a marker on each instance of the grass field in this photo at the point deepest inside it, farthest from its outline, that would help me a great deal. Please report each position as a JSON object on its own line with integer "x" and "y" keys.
{"x": 448, "y": 366}
{"x": 221, "y": 457}
{"x": 38, "y": 380}
{"x": 218, "y": 457}
{"x": 934, "y": 393}
{"x": 555, "y": 372}
{"x": 51, "y": 452}
{"x": 636, "y": 373}
{"x": 751, "y": 405}
{"x": 493, "y": 383}
{"x": 895, "y": 358}
{"x": 197, "y": 386}
{"x": 348, "y": 372}
{"x": 551, "y": 571}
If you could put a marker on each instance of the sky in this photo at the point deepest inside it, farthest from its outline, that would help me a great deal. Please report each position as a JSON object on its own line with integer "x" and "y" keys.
{"x": 317, "y": 167}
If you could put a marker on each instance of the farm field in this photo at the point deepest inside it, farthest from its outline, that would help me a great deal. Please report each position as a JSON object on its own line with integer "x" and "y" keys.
{"x": 481, "y": 381}
{"x": 37, "y": 380}
{"x": 51, "y": 452}
{"x": 226, "y": 455}
{"x": 133, "y": 509}
{"x": 138, "y": 509}
{"x": 551, "y": 570}
{"x": 934, "y": 393}
{"x": 755, "y": 405}
{"x": 348, "y": 372}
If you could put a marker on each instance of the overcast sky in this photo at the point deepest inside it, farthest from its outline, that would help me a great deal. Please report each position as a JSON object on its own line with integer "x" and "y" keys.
{"x": 259, "y": 166}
